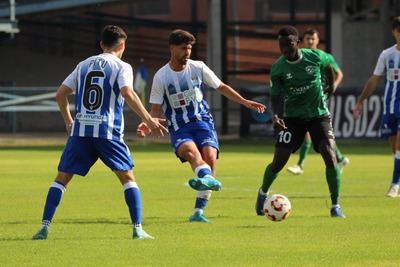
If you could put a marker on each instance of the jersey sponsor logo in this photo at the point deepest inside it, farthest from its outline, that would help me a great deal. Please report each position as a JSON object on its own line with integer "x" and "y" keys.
{"x": 90, "y": 119}
{"x": 393, "y": 74}
{"x": 184, "y": 98}
{"x": 300, "y": 90}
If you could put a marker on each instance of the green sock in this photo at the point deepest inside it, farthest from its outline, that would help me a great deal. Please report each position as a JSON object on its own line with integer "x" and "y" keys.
{"x": 268, "y": 179}
{"x": 339, "y": 155}
{"x": 304, "y": 149}
{"x": 333, "y": 177}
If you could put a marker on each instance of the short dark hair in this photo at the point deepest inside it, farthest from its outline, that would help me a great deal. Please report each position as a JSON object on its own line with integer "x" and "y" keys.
{"x": 178, "y": 37}
{"x": 288, "y": 30}
{"x": 311, "y": 31}
{"x": 111, "y": 35}
{"x": 396, "y": 23}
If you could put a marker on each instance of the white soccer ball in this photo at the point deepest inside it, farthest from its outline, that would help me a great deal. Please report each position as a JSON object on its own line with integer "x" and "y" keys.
{"x": 277, "y": 207}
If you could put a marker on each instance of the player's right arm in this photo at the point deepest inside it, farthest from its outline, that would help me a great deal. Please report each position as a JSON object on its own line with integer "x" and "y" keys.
{"x": 62, "y": 100}
{"x": 369, "y": 88}
{"x": 142, "y": 129}
{"x": 156, "y": 100}
{"x": 277, "y": 98}
{"x": 371, "y": 84}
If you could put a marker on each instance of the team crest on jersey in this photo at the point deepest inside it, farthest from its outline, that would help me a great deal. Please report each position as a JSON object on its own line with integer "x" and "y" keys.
{"x": 310, "y": 69}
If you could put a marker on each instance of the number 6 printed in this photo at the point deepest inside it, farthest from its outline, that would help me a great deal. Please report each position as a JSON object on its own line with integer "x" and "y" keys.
{"x": 93, "y": 93}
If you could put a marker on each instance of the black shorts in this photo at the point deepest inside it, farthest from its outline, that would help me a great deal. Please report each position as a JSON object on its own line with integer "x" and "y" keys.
{"x": 292, "y": 137}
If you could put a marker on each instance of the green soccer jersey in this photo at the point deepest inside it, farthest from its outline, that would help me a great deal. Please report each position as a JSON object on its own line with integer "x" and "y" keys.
{"x": 301, "y": 84}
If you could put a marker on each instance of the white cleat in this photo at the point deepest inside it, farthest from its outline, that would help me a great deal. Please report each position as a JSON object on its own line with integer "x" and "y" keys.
{"x": 393, "y": 191}
{"x": 344, "y": 162}
{"x": 295, "y": 169}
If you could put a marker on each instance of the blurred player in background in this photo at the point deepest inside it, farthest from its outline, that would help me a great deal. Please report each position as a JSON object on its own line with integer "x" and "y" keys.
{"x": 388, "y": 65}
{"x": 101, "y": 84}
{"x": 297, "y": 75}
{"x": 311, "y": 41}
{"x": 178, "y": 90}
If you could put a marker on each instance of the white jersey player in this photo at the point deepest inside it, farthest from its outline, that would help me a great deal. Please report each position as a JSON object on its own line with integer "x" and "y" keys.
{"x": 388, "y": 66}
{"x": 178, "y": 90}
{"x": 101, "y": 84}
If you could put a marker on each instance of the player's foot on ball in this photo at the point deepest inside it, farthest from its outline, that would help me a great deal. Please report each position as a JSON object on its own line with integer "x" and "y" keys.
{"x": 139, "y": 233}
{"x": 393, "y": 191}
{"x": 197, "y": 217}
{"x": 295, "y": 169}
{"x": 206, "y": 183}
{"x": 336, "y": 212}
{"x": 261, "y": 197}
{"x": 42, "y": 233}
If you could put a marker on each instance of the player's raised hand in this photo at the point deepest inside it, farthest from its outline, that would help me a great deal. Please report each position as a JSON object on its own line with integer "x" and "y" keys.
{"x": 260, "y": 108}
{"x": 357, "y": 110}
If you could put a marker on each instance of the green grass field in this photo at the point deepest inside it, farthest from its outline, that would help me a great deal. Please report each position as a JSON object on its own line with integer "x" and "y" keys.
{"x": 92, "y": 228}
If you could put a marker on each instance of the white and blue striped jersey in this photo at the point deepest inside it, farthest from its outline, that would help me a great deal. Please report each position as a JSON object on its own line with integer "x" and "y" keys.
{"x": 389, "y": 64}
{"x": 181, "y": 94}
{"x": 96, "y": 82}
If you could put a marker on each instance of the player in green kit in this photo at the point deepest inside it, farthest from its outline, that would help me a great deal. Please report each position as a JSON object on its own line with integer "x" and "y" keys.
{"x": 296, "y": 76}
{"x": 311, "y": 40}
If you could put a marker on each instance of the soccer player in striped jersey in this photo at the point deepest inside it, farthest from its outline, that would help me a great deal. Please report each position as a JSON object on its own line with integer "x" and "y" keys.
{"x": 101, "y": 85}
{"x": 311, "y": 41}
{"x": 178, "y": 90}
{"x": 297, "y": 75}
{"x": 388, "y": 65}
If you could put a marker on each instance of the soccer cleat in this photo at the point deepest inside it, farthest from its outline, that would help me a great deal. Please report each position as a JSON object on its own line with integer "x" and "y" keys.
{"x": 345, "y": 161}
{"x": 295, "y": 169}
{"x": 139, "y": 233}
{"x": 336, "y": 212}
{"x": 393, "y": 191}
{"x": 42, "y": 233}
{"x": 260, "y": 203}
{"x": 197, "y": 217}
{"x": 206, "y": 183}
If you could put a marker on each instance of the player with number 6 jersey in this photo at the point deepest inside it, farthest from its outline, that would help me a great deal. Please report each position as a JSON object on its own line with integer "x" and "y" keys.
{"x": 96, "y": 82}
{"x": 101, "y": 84}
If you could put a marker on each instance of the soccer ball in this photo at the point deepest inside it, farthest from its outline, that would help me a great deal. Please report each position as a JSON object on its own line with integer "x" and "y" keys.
{"x": 277, "y": 207}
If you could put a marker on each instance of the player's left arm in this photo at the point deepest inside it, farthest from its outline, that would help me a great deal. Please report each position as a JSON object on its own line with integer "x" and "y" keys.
{"x": 338, "y": 72}
{"x": 330, "y": 80}
{"x": 62, "y": 100}
{"x": 338, "y": 78}
{"x": 231, "y": 94}
{"x": 133, "y": 100}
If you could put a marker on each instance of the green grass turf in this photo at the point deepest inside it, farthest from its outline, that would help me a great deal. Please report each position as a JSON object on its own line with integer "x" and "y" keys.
{"x": 92, "y": 228}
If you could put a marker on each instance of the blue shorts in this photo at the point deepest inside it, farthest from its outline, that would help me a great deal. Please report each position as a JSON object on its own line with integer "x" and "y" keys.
{"x": 390, "y": 125}
{"x": 200, "y": 132}
{"x": 80, "y": 153}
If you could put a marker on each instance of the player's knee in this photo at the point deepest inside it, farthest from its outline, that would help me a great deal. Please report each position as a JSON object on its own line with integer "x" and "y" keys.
{"x": 327, "y": 150}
